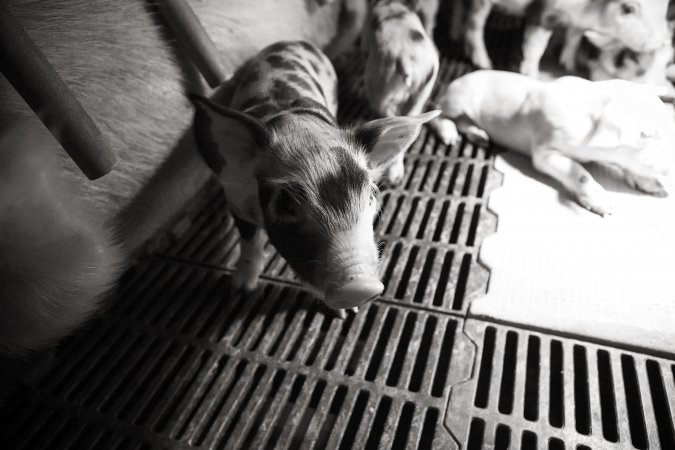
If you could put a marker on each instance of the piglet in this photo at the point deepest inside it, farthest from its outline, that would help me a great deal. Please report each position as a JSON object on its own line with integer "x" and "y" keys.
{"x": 638, "y": 24}
{"x": 401, "y": 65}
{"x": 569, "y": 121}
{"x": 289, "y": 171}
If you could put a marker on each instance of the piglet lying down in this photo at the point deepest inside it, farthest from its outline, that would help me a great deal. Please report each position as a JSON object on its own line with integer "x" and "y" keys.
{"x": 569, "y": 121}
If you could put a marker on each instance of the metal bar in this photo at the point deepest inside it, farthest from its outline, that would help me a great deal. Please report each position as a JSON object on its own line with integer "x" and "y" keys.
{"x": 33, "y": 77}
{"x": 190, "y": 33}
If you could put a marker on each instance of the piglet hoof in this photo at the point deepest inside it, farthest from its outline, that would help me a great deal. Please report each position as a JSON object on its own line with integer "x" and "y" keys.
{"x": 446, "y": 131}
{"x": 477, "y": 136}
{"x": 598, "y": 206}
{"x": 647, "y": 185}
{"x": 245, "y": 279}
{"x": 342, "y": 313}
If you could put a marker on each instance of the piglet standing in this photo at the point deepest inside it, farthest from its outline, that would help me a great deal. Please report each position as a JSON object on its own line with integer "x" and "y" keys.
{"x": 289, "y": 171}
{"x": 401, "y": 65}
{"x": 569, "y": 121}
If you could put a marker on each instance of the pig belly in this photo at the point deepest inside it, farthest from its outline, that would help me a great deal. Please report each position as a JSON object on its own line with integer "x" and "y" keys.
{"x": 514, "y": 133}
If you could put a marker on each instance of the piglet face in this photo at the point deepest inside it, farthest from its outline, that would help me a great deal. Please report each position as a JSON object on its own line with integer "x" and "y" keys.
{"x": 319, "y": 202}
{"x": 319, "y": 199}
{"x": 639, "y": 24}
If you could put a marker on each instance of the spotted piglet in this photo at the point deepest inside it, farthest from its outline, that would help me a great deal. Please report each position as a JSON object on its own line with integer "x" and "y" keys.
{"x": 289, "y": 171}
{"x": 401, "y": 64}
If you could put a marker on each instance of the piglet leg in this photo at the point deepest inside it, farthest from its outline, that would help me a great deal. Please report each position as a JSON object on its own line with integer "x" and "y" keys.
{"x": 568, "y": 55}
{"x": 649, "y": 185}
{"x": 251, "y": 256}
{"x": 575, "y": 178}
{"x": 475, "y": 30}
{"x": 535, "y": 41}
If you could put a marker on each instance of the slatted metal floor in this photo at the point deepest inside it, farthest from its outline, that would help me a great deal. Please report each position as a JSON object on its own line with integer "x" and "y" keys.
{"x": 179, "y": 362}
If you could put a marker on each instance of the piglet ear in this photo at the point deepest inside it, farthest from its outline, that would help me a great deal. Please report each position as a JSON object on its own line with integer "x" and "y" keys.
{"x": 225, "y": 136}
{"x": 386, "y": 138}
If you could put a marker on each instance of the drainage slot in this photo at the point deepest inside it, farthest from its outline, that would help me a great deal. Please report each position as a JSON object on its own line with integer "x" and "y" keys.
{"x": 381, "y": 345}
{"x": 662, "y": 413}
{"x": 582, "y": 407}
{"x": 444, "y": 360}
{"x": 214, "y": 375}
{"x": 407, "y": 271}
{"x": 361, "y": 341}
{"x": 424, "y": 276}
{"x": 636, "y": 420}
{"x": 423, "y": 355}
{"x": 403, "y": 427}
{"x": 462, "y": 280}
{"x": 502, "y": 437}
{"x": 473, "y": 227}
{"x": 485, "y": 373}
{"x": 331, "y": 418}
{"x": 265, "y": 407}
{"x": 279, "y": 424}
{"x": 303, "y": 425}
{"x": 439, "y": 177}
{"x": 337, "y": 348}
{"x": 607, "y": 399}
{"x": 508, "y": 373}
{"x": 425, "y": 219}
{"x": 354, "y": 421}
{"x": 441, "y": 221}
{"x": 243, "y": 406}
{"x": 218, "y": 409}
{"x": 528, "y": 441}
{"x": 457, "y": 226}
{"x": 394, "y": 216}
{"x": 304, "y": 328}
{"x": 323, "y": 332}
{"x": 411, "y": 217}
{"x": 401, "y": 350}
{"x": 467, "y": 180}
{"x": 556, "y": 444}
{"x": 476, "y": 431}
{"x": 395, "y": 254}
{"x": 556, "y": 406}
{"x": 428, "y": 429}
{"x": 377, "y": 427}
{"x": 443, "y": 279}
{"x": 531, "y": 400}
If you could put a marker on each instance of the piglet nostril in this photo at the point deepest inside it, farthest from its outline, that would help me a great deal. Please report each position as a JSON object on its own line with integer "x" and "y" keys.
{"x": 355, "y": 292}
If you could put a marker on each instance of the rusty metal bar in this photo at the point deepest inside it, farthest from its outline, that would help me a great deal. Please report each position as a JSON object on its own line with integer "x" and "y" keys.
{"x": 190, "y": 32}
{"x": 27, "y": 69}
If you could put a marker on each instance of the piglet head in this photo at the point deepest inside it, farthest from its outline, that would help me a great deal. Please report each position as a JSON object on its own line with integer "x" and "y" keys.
{"x": 638, "y": 24}
{"x": 318, "y": 195}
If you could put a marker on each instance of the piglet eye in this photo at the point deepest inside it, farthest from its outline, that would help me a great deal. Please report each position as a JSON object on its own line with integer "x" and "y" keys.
{"x": 285, "y": 205}
{"x": 628, "y": 8}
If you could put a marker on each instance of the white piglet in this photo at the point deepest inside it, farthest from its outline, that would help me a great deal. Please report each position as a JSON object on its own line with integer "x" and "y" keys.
{"x": 401, "y": 65}
{"x": 569, "y": 121}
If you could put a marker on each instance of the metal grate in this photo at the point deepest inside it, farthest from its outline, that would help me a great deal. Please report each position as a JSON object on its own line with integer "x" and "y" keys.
{"x": 180, "y": 362}
{"x": 532, "y": 390}
{"x": 176, "y": 364}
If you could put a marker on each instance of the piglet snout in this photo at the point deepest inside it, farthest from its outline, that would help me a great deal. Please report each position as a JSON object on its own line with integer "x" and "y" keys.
{"x": 355, "y": 292}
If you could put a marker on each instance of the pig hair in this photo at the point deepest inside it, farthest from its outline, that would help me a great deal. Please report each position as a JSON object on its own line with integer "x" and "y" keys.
{"x": 56, "y": 264}
{"x": 319, "y": 165}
